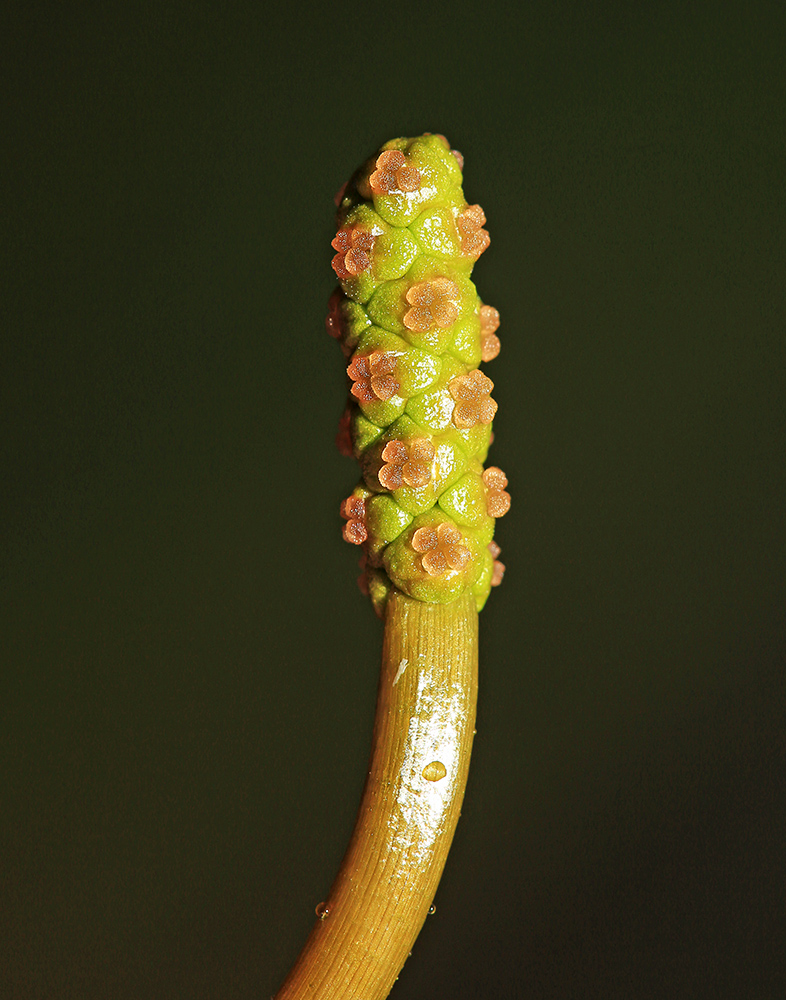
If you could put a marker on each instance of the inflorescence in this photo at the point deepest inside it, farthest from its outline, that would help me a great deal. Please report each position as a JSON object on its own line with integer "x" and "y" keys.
{"x": 409, "y": 320}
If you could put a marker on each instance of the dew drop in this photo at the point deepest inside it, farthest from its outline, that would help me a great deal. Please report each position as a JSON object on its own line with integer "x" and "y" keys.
{"x": 434, "y": 771}
{"x": 432, "y": 910}
{"x": 322, "y": 910}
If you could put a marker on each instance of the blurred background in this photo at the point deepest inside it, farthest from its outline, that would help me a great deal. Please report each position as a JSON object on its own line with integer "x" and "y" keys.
{"x": 188, "y": 668}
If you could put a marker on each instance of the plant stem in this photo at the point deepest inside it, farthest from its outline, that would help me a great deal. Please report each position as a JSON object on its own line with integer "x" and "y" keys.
{"x": 423, "y": 733}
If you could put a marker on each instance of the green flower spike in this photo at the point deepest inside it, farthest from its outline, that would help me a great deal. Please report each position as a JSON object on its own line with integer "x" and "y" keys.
{"x": 413, "y": 329}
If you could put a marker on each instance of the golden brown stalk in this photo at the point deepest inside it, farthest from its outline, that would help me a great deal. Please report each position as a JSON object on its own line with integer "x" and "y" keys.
{"x": 422, "y": 741}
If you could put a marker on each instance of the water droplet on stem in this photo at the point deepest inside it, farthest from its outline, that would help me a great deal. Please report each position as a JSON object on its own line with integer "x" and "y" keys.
{"x": 434, "y": 771}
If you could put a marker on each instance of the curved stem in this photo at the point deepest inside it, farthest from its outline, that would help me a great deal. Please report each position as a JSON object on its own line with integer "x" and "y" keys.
{"x": 423, "y": 732}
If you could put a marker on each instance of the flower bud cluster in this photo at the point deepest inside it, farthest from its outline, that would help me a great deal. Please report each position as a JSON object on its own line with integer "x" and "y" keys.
{"x": 413, "y": 330}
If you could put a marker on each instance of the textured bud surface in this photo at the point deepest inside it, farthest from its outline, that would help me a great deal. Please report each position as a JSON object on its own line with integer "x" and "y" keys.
{"x": 409, "y": 321}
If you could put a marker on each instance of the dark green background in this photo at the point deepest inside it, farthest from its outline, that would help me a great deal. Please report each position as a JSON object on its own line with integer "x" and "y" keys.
{"x": 189, "y": 670}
